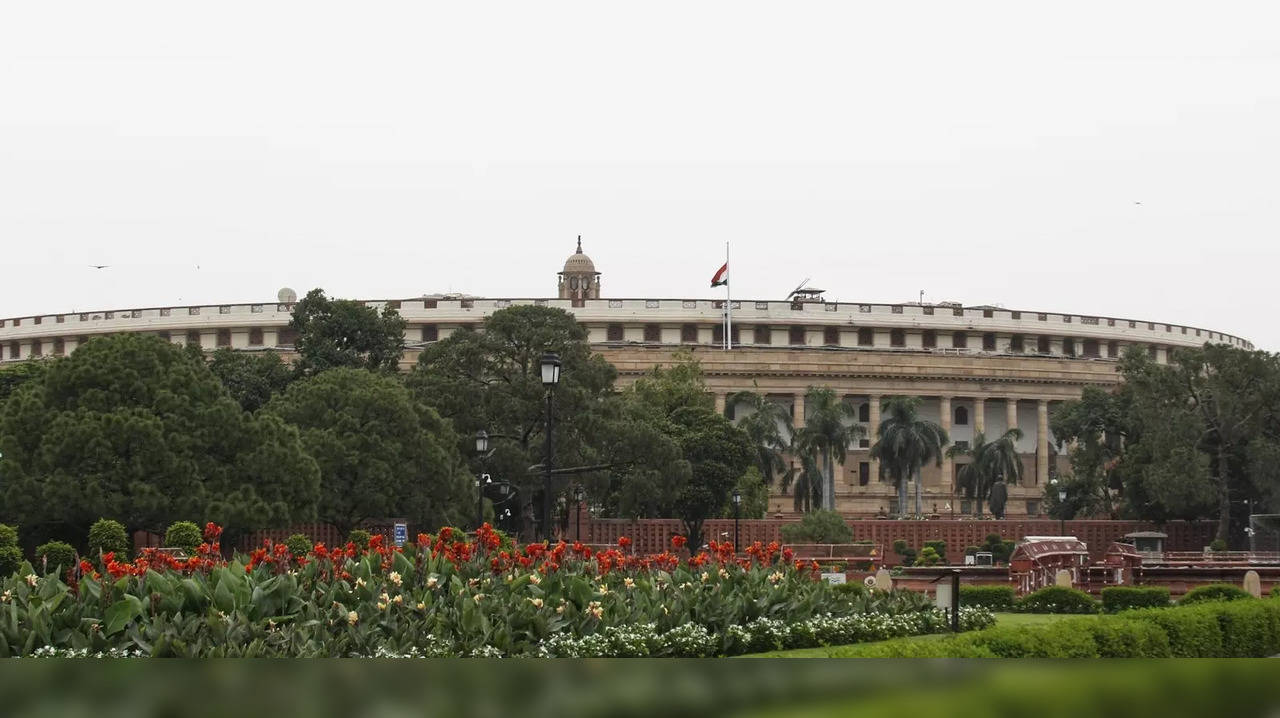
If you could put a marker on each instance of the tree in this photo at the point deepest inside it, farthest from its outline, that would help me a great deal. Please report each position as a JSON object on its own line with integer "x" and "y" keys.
{"x": 905, "y": 443}
{"x": 1207, "y": 424}
{"x": 251, "y": 378}
{"x": 380, "y": 453}
{"x": 769, "y": 427}
{"x": 491, "y": 380}
{"x": 818, "y": 527}
{"x": 133, "y": 427}
{"x": 827, "y": 436}
{"x": 346, "y": 333}
{"x": 755, "y": 496}
{"x": 989, "y": 462}
{"x": 13, "y": 376}
{"x": 1096, "y": 427}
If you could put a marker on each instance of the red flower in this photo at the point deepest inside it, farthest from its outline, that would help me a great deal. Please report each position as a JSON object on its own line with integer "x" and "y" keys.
{"x": 679, "y": 541}
{"x": 624, "y": 542}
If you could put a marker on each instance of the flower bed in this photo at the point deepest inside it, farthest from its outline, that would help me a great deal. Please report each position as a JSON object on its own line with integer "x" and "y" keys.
{"x": 446, "y": 596}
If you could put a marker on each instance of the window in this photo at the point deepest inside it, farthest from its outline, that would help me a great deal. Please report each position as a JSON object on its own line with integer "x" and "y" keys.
{"x": 831, "y": 336}
{"x": 962, "y": 445}
{"x": 864, "y": 473}
{"x": 255, "y": 337}
{"x": 1184, "y": 330}
{"x": 866, "y": 337}
{"x": 60, "y": 319}
{"x": 927, "y": 310}
{"x": 1033, "y": 508}
{"x": 1016, "y": 343}
{"x": 1066, "y": 318}
{"x": 864, "y": 412}
{"x": 717, "y": 335}
{"x": 466, "y": 303}
{"x": 1090, "y": 348}
{"x": 795, "y": 336}
{"x": 429, "y": 304}
{"x": 959, "y": 340}
{"x": 1113, "y": 349}
{"x": 897, "y": 338}
{"x": 1069, "y": 346}
{"x": 961, "y": 418}
{"x": 617, "y": 304}
{"x": 255, "y": 309}
{"x": 689, "y": 304}
{"x": 986, "y": 313}
{"x": 1132, "y": 324}
{"x": 1151, "y": 326}
{"x": 15, "y": 350}
{"x": 193, "y": 338}
{"x": 193, "y": 311}
{"x": 652, "y": 333}
{"x": 288, "y": 337}
{"x": 430, "y": 333}
{"x": 1152, "y": 352}
{"x": 614, "y": 333}
{"x": 163, "y": 335}
{"x": 988, "y": 342}
{"x": 688, "y": 333}
{"x": 37, "y": 348}
{"x": 761, "y": 335}
{"x": 1015, "y": 315}
{"x": 958, "y": 312}
{"x": 37, "y": 321}
{"x": 896, "y": 309}
{"x": 762, "y": 305}
{"x": 59, "y": 348}
{"x": 1042, "y": 345}
{"x": 1042, "y": 317}
{"x": 1111, "y": 322}
{"x": 864, "y": 443}
{"x": 929, "y": 339}
{"x": 224, "y": 337}
{"x": 224, "y": 309}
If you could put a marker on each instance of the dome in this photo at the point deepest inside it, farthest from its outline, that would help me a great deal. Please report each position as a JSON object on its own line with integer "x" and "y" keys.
{"x": 288, "y": 296}
{"x": 579, "y": 262}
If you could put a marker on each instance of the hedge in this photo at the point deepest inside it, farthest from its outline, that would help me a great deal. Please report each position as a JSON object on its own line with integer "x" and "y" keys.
{"x": 1238, "y": 629}
{"x": 1121, "y": 598}
{"x": 996, "y": 598}
{"x": 58, "y": 556}
{"x": 1214, "y": 592}
{"x": 108, "y": 536}
{"x": 184, "y": 535}
{"x": 1057, "y": 599}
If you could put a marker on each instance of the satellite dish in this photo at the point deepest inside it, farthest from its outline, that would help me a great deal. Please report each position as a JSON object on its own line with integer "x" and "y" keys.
{"x": 287, "y": 296}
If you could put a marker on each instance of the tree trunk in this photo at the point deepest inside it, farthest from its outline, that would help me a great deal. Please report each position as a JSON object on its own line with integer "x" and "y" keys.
{"x": 1224, "y": 498}
{"x": 977, "y": 503}
{"x": 829, "y": 491}
{"x": 919, "y": 503}
{"x": 902, "y": 494}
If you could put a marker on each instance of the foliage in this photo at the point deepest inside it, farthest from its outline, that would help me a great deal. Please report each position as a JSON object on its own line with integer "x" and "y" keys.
{"x": 769, "y": 426}
{"x": 929, "y": 556}
{"x": 1057, "y": 599}
{"x": 444, "y": 596}
{"x": 298, "y": 544}
{"x": 10, "y": 560}
{"x": 360, "y": 538}
{"x": 989, "y": 463}
{"x": 755, "y": 496}
{"x": 13, "y": 376}
{"x": 380, "y": 453}
{"x": 1214, "y": 592}
{"x": 818, "y": 527}
{"x": 907, "y": 553}
{"x": 1096, "y": 426}
{"x": 184, "y": 535}
{"x": 1122, "y": 598}
{"x": 56, "y": 556}
{"x": 998, "y": 547}
{"x": 134, "y": 427}
{"x": 251, "y": 378}
{"x": 1217, "y": 545}
{"x": 336, "y": 333}
{"x": 996, "y": 598}
{"x": 827, "y": 433}
{"x": 938, "y": 545}
{"x": 905, "y": 443}
{"x": 8, "y": 535}
{"x": 107, "y": 535}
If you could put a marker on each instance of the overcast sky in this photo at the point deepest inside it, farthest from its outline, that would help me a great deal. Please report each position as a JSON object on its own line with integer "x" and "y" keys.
{"x": 1106, "y": 158}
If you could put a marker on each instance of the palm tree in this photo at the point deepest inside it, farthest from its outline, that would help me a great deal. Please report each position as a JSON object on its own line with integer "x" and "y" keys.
{"x": 826, "y": 435}
{"x": 989, "y": 462}
{"x": 806, "y": 481}
{"x": 769, "y": 426}
{"x": 904, "y": 443}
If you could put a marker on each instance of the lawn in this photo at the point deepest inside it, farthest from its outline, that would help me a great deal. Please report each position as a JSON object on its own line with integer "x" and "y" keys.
{"x": 1002, "y": 619}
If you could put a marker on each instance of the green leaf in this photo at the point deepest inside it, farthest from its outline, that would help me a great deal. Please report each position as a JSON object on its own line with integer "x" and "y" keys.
{"x": 223, "y": 598}
{"x": 121, "y": 613}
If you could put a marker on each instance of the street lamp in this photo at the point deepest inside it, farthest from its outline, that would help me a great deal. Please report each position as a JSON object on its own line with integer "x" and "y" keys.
{"x": 579, "y": 493}
{"x": 482, "y": 449}
{"x": 737, "y": 501}
{"x": 1062, "y": 507}
{"x": 550, "y": 377}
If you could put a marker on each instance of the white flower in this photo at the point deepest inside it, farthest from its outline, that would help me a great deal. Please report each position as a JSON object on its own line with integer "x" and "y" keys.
{"x": 537, "y": 602}
{"x": 359, "y": 582}
{"x": 724, "y": 573}
{"x": 628, "y": 582}
{"x": 535, "y": 579}
{"x": 395, "y": 578}
{"x": 422, "y": 606}
{"x": 398, "y": 599}
{"x": 382, "y": 606}
{"x": 4, "y": 597}
{"x": 775, "y": 577}
{"x": 705, "y": 576}
{"x": 383, "y": 596}
{"x": 560, "y": 609}
{"x": 431, "y": 582}
{"x": 31, "y": 579}
{"x": 478, "y": 596}
{"x": 352, "y": 617}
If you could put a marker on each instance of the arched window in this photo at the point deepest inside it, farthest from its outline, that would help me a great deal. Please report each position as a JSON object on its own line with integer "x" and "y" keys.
{"x": 864, "y": 412}
{"x": 961, "y": 416}
{"x": 897, "y": 338}
{"x": 573, "y": 282}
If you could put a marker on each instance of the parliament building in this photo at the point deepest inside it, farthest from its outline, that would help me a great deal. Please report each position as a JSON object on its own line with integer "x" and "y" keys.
{"x": 977, "y": 368}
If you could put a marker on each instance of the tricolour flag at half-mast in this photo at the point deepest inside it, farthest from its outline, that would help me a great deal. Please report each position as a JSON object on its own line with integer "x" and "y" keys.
{"x": 722, "y": 276}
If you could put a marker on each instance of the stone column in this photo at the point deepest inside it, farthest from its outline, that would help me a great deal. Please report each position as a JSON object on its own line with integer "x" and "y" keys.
{"x": 720, "y": 403}
{"x": 1010, "y": 413}
{"x": 873, "y": 427}
{"x": 944, "y": 416}
{"x": 797, "y": 410}
{"x": 1042, "y": 442}
{"x": 979, "y": 415}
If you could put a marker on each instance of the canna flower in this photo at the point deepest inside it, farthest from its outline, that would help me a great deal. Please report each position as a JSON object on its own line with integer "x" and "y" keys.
{"x": 395, "y": 578}
{"x": 422, "y": 606}
{"x": 724, "y": 573}
{"x": 537, "y": 602}
{"x": 478, "y": 596}
{"x": 382, "y": 606}
{"x": 398, "y": 600}
{"x": 775, "y": 577}
{"x": 535, "y": 579}
{"x": 31, "y": 579}
{"x": 629, "y": 583}
{"x": 705, "y": 576}
{"x": 4, "y": 597}
{"x": 431, "y": 582}
{"x": 352, "y": 617}
{"x": 359, "y": 582}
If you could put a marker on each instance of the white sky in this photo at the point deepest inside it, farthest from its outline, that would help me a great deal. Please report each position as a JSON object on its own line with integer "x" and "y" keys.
{"x": 982, "y": 152}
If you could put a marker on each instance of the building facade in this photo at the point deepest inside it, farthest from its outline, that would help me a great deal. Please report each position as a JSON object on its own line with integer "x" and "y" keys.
{"x": 977, "y": 369}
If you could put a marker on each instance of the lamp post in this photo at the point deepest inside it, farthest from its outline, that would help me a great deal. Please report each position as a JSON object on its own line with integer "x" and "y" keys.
{"x": 737, "y": 501}
{"x": 578, "y": 494}
{"x": 550, "y": 377}
{"x": 482, "y": 449}
{"x": 1062, "y": 507}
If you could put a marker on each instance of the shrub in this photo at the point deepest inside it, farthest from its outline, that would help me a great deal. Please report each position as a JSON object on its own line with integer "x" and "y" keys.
{"x": 1057, "y": 599}
{"x": 1121, "y": 598}
{"x": 1118, "y": 637}
{"x": 8, "y": 535}
{"x": 971, "y": 550}
{"x": 996, "y": 598}
{"x": 55, "y": 557}
{"x": 298, "y": 545}
{"x": 10, "y": 560}
{"x": 360, "y": 538}
{"x": 818, "y": 527}
{"x": 907, "y": 553}
{"x": 1275, "y": 591}
{"x": 999, "y": 548}
{"x": 1192, "y": 633}
{"x": 938, "y": 545}
{"x": 1214, "y": 592}
{"x": 928, "y": 557}
{"x": 108, "y": 536}
{"x": 1217, "y": 545}
{"x": 1059, "y": 640}
{"x": 849, "y": 590}
{"x": 184, "y": 535}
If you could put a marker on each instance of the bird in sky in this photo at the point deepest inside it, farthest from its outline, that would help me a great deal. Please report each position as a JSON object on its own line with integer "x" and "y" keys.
{"x": 99, "y": 266}
{"x": 1136, "y": 202}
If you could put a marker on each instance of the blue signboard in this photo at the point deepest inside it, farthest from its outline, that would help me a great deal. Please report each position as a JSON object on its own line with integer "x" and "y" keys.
{"x": 402, "y": 534}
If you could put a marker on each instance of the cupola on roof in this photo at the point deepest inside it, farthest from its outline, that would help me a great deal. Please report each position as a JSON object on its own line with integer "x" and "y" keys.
{"x": 579, "y": 262}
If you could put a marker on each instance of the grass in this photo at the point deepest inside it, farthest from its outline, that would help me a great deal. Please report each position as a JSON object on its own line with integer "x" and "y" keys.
{"x": 1002, "y": 619}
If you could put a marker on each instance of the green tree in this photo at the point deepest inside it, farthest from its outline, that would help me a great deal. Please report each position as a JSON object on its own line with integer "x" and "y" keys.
{"x": 905, "y": 443}
{"x": 381, "y": 453}
{"x": 989, "y": 462}
{"x": 1096, "y": 427}
{"x": 346, "y": 333}
{"x": 818, "y": 527}
{"x": 768, "y": 424}
{"x": 251, "y": 378}
{"x": 828, "y": 431}
{"x": 134, "y": 427}
{"x": 755, "y": 496}
{"x": 15, "y": 375}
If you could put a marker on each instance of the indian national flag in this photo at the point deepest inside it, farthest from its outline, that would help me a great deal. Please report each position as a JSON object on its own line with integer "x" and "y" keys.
{"x": 722, "y": 276}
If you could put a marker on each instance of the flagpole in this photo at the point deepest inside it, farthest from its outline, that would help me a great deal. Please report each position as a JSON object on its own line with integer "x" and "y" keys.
{"x": 728, "y": 306}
